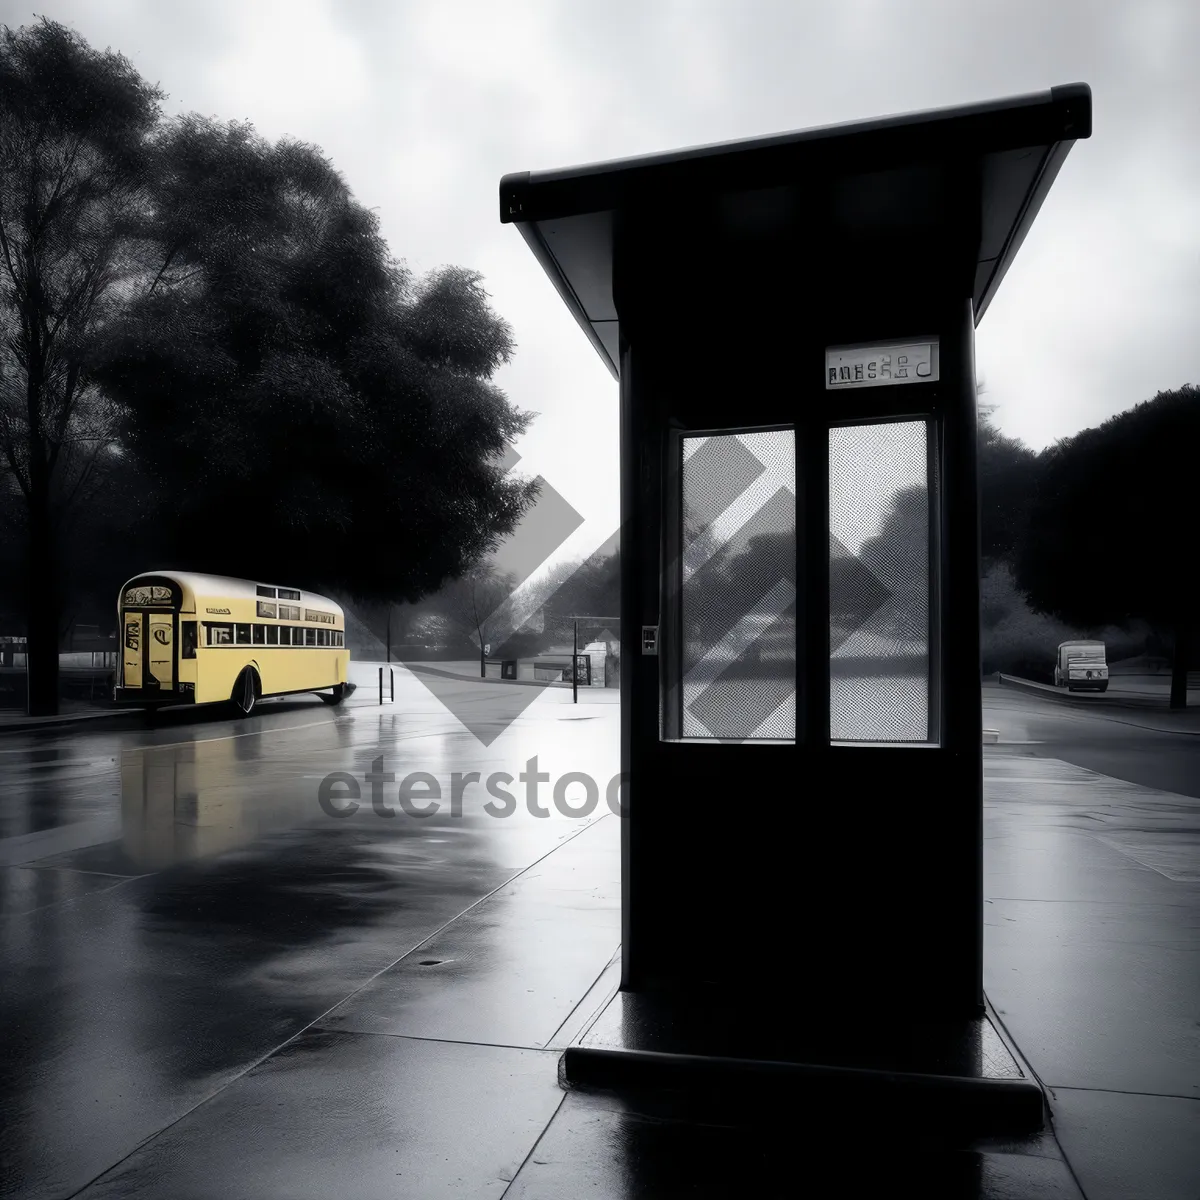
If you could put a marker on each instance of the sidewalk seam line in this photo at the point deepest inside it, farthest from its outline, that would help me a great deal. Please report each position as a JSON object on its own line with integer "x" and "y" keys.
{"x": 537, "y": 1141}
{"x": 579, "y": 1004}
{"x": 416, "y": 1037}
{"x": 1070, "y": 1087}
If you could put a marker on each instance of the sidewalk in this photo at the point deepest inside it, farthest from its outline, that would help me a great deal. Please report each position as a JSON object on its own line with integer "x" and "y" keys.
{"x": 440, "y": 1076}
{"x": 1092, "y": 889}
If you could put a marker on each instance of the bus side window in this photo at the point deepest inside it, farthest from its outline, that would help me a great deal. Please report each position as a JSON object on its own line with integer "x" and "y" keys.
{"x": 189, "y": 640}
{"x": 272, "y": 635}
{"x": 220, "y": 635}
{"x": 243, "y": 635}
{"x": 310, "y": 637}
{"x": 260, "y": 636}
{"x": 322, "y": 637}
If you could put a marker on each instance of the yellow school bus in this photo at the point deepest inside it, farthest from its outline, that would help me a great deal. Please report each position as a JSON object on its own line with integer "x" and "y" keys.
{"x": 205, "y": 639}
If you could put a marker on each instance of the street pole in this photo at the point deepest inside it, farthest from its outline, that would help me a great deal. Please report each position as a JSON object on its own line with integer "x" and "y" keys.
{"x": 575, "y": 662}
{"x": 389, "y": 634}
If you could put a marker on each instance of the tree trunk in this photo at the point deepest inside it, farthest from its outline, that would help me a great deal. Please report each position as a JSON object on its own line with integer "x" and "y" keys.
{"x": 42, "y": 608}
{"x": 1180, "y": 662}
{"x": 482, "y": 664}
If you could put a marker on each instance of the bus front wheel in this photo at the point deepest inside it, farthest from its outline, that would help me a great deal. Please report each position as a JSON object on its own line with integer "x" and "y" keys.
{"x": 335, "y": 696}
{"x": 246, "y": 693}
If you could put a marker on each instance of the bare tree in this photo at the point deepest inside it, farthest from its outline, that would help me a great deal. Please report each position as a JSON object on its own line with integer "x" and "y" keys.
{"x": 471, "y": 608}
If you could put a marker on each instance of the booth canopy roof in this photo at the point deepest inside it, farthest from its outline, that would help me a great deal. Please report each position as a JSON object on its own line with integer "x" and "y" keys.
{"x": 1016, "y": 145}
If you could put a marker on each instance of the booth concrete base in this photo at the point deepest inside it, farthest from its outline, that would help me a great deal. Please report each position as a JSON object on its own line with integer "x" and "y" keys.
{"x": 724, "y": 1059}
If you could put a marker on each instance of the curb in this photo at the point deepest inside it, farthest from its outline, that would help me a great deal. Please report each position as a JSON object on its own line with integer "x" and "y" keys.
{"x": 1023, "y": 1064}
{"x": 1099, "y": 702}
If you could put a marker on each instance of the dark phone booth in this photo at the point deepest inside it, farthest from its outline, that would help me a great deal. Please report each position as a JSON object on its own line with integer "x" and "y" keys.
{"x": 791, "y": 321}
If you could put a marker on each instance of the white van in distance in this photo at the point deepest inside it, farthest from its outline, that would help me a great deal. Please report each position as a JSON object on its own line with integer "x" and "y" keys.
{"x": 1081, "y": 666}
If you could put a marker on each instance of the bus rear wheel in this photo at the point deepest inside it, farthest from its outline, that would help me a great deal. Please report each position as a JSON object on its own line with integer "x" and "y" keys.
{"x": 246, "y": 693}
{"x": 335, "y": 696}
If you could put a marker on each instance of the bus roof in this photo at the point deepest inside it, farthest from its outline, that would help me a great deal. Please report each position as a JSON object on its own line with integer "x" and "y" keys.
{"x": 209, "y": 587}
{"x": 1085, "y": 642}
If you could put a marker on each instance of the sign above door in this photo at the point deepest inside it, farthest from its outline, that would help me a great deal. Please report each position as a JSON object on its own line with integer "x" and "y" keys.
{"x": 884, "y": 364}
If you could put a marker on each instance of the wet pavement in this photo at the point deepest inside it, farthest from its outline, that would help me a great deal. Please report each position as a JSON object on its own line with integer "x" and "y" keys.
{"x": 215, "y": 988}
{"x": 1157, "y": 749}
{"x": 175, "y": 910}
{"x": 1092, "y": 961}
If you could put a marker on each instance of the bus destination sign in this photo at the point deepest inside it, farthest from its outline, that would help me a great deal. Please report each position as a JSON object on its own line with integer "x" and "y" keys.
{"x": 884, "y": 365}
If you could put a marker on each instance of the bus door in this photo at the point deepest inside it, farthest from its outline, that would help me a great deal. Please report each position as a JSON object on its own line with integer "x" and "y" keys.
{"x": 134, "y": 638}
{"x": 161, "y": 647}
{"x": 149, "y": 650}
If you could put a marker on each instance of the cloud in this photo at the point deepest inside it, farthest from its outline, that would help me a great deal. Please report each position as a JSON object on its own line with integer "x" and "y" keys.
{"x": 289, "y": 61}
{"x": 424, "y": 106}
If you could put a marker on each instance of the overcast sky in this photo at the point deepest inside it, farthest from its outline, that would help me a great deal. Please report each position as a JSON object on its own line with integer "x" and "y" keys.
{"x": 424, "y": 105}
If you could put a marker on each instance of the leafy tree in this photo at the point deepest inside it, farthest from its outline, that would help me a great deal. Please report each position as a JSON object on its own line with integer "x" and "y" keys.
{"x": 1108, "y": 538}
{"x": 73, "y": 170}
{"x": 1007, "y": 475}
{"x": 1016, "y": 639}
{"x": 303, "y": 408}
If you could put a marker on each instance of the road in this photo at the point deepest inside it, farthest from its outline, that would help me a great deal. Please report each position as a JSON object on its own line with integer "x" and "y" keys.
{"x": 1154, "y": 748}
{"x": 175, "y": 906}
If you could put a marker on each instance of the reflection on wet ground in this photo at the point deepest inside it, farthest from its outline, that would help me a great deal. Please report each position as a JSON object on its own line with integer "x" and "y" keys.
{"x": 217, "y": 988}
{"x": 181, "y": 906}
